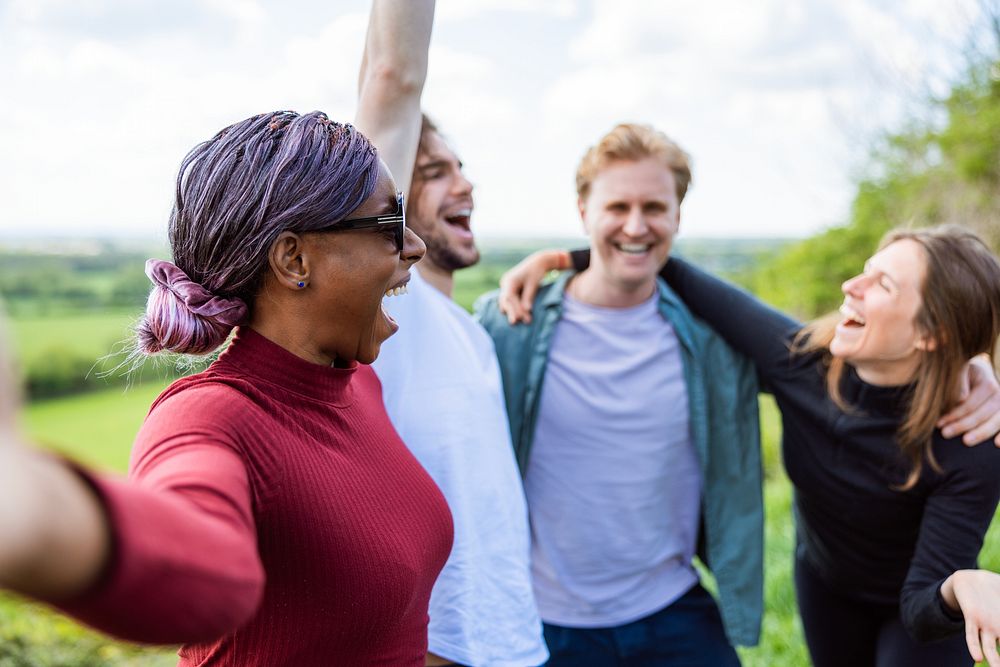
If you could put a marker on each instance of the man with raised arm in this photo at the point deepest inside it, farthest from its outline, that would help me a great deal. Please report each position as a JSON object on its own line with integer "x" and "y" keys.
{"x": 441, "y": 381}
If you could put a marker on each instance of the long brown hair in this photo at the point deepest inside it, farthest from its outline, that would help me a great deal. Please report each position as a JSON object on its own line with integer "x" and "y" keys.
{"x": 960, "y": 311}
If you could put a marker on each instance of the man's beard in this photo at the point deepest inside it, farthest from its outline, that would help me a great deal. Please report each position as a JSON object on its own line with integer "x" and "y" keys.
{"x": 447, "y": 258}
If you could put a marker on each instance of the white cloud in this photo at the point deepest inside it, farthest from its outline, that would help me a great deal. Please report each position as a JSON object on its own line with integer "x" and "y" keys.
{"x": 452, "y": 10}
{"x": 248, "y": 12}
{"x": 775, "y": 100}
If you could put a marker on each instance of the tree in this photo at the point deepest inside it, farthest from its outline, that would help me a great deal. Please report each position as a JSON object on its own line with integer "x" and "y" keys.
{"x": 929, "y": 173}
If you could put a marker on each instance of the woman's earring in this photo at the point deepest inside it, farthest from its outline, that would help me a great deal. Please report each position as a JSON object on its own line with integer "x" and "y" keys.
{"x": 301, "y": 284}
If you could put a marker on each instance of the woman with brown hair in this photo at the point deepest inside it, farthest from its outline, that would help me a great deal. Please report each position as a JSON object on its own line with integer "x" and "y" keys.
{"x": 272, "y": 515}
{"x": 890, "y": 515}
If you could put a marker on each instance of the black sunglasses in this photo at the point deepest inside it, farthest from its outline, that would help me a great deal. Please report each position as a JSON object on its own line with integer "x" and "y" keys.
{"x": 376, "y": 222}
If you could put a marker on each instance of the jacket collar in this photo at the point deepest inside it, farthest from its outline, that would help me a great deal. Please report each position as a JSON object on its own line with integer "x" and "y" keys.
{"x": 670, "y": 306}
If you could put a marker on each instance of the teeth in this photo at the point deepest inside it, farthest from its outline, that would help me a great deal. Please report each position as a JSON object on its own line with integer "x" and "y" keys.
{"x": 851, "y": 314}
{"x": 396, "y": 291}
{"x": 634, "y": 248}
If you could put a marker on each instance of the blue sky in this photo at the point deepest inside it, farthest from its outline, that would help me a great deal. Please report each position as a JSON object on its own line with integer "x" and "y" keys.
{"x": 777, "y": 101}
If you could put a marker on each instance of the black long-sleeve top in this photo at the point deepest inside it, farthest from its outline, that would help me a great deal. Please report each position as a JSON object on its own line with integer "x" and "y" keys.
{"x": 861, "y": 534}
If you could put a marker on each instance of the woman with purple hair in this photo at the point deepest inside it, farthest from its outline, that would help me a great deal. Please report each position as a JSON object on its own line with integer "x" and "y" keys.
{"x": 272, "y": 516}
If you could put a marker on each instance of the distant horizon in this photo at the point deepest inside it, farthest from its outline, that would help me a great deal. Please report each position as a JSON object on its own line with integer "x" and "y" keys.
{"x": 14, "y": 242}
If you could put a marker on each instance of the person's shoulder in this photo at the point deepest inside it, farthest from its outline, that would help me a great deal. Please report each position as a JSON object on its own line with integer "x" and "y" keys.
{"x": 204, "y": 401}
{"x": 968, "y": 462}
{"x": 486, "y": 308}
{"x": 486, "y": 311}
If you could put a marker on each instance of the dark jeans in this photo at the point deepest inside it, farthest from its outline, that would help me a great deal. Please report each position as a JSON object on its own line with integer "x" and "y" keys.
{"x": 687, "y": 633}
{"x": 841, "y": 631}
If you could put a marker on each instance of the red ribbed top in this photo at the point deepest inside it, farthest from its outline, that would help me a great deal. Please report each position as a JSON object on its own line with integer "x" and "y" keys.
{"x": 273, "y": 517}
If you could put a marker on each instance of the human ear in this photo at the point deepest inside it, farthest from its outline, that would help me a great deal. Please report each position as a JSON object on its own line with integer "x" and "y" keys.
{"x": 289, "y": 261}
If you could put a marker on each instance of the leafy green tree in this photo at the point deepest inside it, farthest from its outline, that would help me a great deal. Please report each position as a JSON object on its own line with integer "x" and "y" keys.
{"x": 929, "y": 173}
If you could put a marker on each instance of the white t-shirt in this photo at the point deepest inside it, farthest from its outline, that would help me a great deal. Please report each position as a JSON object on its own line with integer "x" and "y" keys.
{"x": 442, "y": 389}
{"x": 613, "y": 482}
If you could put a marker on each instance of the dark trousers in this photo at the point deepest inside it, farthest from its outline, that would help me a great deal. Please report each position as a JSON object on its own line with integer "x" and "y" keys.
{"x": 841, "y": 632}
{"x": 687, "y": 633}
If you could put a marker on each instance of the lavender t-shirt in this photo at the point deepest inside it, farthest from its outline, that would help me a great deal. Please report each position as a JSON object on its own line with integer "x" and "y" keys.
{"x": 613, "y": 483}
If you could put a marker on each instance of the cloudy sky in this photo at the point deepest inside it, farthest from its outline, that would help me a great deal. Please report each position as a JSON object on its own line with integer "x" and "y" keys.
{"x": 777, "y": 100}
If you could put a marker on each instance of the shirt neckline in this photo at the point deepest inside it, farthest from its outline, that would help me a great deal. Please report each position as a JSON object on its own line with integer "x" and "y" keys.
{"x": 257, "y": 356}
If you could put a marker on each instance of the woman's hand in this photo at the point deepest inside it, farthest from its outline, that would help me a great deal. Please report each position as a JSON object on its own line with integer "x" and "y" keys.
{"x": 519, "y": 285}
{"x": 978, "y": 414}
{"x": 976, "y": 593}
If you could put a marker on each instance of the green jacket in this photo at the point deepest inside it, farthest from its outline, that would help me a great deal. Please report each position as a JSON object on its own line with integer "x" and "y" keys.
{"x": 722, "y": 395}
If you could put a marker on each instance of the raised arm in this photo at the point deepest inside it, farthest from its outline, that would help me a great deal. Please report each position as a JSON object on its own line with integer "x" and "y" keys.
{"x": 393, "y": 70}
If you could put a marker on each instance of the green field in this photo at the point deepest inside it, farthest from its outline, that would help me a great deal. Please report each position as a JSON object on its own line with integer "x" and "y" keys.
{"x": 95, "y": 428}
{"x": 71, "y": 351}
{"x": 92, "y": 333}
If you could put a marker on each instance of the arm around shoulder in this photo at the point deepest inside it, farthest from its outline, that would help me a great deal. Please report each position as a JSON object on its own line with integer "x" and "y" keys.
{"x": 744, "y": 321}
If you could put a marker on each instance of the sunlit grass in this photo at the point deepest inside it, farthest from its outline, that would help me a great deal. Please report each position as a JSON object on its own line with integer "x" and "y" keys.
{"x": 96, "y": 428}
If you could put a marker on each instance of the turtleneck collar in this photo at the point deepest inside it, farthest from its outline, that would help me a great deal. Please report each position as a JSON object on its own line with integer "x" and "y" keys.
{"x": 256, "y": 356}
{"x": 886, "y": 400}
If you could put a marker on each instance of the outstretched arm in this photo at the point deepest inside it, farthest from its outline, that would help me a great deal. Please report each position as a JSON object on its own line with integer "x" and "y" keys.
{"x": 55, "y": 538}
{"x": 393, "y": 70}
{"x": 99, "y": 548}
{"x": 46, "y": 511}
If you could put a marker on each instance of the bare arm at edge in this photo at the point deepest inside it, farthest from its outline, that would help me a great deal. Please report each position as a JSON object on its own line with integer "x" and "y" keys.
{"x": 391, "y": 81}
{"x": 54, "y": 535}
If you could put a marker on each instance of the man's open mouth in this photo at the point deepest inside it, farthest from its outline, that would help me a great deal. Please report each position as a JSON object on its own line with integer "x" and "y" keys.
{"x": 460, "y": 218}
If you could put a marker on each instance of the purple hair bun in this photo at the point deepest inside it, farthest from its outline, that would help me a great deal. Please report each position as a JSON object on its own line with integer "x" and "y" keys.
{"x": 197, "y": 299}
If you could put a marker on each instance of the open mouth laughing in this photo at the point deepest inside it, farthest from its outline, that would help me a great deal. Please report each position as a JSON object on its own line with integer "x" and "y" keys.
{"x": 398, "y": 289}
{"x": 633, "y": 248}
{"x": 852, "y": 318}
{"x": 460, "y": 218}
